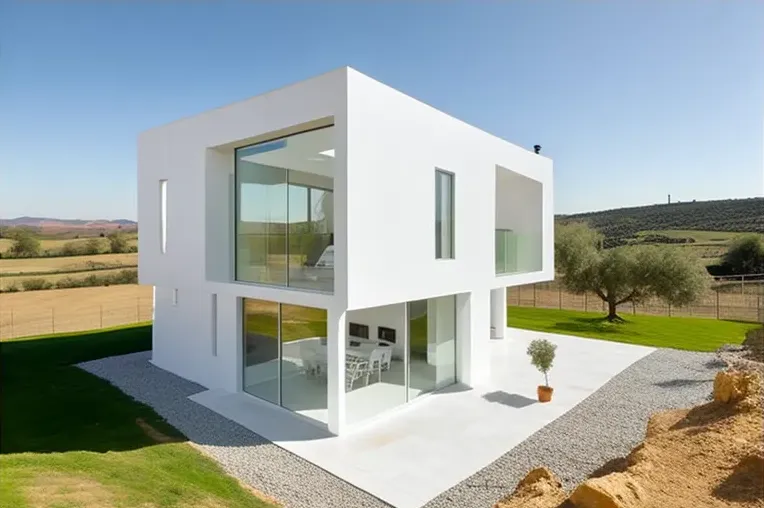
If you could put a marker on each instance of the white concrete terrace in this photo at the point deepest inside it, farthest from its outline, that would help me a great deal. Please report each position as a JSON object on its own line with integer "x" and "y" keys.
{"x": 410, "y": 455}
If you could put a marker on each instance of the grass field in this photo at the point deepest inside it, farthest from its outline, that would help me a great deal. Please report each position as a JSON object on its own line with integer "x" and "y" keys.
{"x": 700, "y": 237}
{"x": 694, "y": 334}
{"x": 63, "y": 310}
{"x": 70, "y": 439}
{"x": 710, "y": 246}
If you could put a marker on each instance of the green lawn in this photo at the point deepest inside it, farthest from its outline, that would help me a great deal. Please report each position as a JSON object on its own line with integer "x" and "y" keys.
{"x": 68, "y": 438}
{"x": 695, "y": 334}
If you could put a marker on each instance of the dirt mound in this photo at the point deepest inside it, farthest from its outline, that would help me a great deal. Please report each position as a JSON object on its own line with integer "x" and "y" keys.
{"x": 539, "y": 489}
{"x": 707, "y": 456}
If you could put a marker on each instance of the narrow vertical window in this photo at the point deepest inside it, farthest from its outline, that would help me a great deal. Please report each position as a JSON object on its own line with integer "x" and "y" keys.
{"x": 214, "y": 324}
{"x": 444, "y": 215}
{"x": 163, "y": 215}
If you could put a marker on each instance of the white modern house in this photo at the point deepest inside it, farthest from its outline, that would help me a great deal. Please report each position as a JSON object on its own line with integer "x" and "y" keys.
{"x": 336, "y": 247}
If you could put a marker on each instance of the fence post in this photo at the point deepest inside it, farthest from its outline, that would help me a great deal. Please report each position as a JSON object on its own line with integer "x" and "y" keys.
{"x": 742, "y": 284}
{"x": 101, "y": 314}
{"x": 559, "y": 296}
{"x": 669, "y": 310}
{"x": 717, "y": 303}
{"x": 633, "y": 308}
{"x": 586, "y": 302}
{"x": 534, "y": 295}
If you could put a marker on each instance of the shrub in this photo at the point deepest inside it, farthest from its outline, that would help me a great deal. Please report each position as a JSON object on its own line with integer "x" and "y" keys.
{"x": 72, "y": 249}
{"x": 92, "y": 246}
{"x": 25, "y": 244}
{"x": 36, "y": 284}
{"x": 11, "y": 288}
{"x": 746, "y": 255}
{"x": 542, "y": 354}
{"x": 117, "y": 243}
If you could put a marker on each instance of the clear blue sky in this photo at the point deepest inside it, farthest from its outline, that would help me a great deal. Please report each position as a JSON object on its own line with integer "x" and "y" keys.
{"x": 632, "y": 100}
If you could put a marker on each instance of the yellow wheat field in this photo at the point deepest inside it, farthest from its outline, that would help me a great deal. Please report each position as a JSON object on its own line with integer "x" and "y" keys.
{"x": 69, "y": 310}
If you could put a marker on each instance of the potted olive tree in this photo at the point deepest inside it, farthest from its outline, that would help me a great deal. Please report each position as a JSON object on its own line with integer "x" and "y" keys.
{"x": 542, "y": 353}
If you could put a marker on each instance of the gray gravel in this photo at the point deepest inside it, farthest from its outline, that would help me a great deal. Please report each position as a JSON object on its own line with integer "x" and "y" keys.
{"x": 294, "y": 482}
{"x": 605, "y": 426}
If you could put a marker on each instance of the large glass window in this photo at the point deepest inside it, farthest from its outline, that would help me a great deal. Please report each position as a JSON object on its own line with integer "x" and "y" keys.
{"x": 261, "y": 349}
{"x": 284, "y": 211}
{"x": 375, "y": 361}
{"x": 285, "y": 359}
{"x": 444, "y": 215}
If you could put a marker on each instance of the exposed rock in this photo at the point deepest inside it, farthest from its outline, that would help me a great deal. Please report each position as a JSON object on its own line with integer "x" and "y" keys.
{"x": 617, "y": 490}
{"x": 731, "y": 386}
{"x": 539, "y": 489}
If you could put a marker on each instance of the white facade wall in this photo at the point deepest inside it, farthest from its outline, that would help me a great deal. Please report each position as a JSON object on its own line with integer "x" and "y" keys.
{"x": 395, "y": 143}
{"x": 387, "y": 148}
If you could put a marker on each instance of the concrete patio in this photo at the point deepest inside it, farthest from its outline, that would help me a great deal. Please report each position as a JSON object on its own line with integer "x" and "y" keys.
{"x": 412, "y": 454}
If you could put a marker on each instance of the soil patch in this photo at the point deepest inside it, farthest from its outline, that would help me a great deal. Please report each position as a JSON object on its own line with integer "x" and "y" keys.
{"x": 710, "y": 455}
{"x": 153, "y": 433}
{"x": 66, "y": 490}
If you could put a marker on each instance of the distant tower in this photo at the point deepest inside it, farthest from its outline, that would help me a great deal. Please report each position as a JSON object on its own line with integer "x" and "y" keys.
{"x": 537, "y": 148}
{"x": 669, "y": 199}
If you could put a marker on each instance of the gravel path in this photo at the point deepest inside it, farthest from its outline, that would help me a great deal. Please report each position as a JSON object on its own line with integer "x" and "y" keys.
{"x": 294, "y": 482}
{"x": 605, "y": 426}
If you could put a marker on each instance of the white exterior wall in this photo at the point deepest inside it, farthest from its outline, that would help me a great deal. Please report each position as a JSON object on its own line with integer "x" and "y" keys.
{"x": 395, "y": 144}
{"x": 387, "y": 147}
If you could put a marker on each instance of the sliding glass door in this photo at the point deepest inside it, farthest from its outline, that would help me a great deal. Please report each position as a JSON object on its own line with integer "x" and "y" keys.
{"x": 285, "y": 356}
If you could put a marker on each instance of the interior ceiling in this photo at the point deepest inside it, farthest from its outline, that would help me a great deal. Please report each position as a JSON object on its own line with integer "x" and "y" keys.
{"x": 301, "y": 153}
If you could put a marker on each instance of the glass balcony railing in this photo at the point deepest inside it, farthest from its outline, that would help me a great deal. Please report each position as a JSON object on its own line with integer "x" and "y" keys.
{"x": 517, "y": 253}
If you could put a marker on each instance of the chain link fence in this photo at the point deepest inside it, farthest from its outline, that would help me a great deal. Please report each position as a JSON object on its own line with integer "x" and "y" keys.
{"x": 731, "y": 298}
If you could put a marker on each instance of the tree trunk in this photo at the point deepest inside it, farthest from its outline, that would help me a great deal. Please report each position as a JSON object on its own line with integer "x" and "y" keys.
{"x": 611, "y": 311}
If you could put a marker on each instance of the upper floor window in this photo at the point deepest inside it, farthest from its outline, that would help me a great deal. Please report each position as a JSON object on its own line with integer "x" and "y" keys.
{"x": 285, "y": 211}
{"x": 444, "y": 215}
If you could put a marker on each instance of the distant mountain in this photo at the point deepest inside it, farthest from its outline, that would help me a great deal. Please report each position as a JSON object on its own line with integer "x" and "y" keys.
{"x": 50, "y": 224}
{"x": 733, "y": 215}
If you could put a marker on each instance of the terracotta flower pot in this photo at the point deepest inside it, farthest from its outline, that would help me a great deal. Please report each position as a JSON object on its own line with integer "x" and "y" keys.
{"x": 545, "y": 393}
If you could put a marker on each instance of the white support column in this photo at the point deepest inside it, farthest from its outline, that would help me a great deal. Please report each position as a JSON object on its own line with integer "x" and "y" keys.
{"x": 473, "y": 331}
{"x": 498, "y": 313}
{"x": 229, "y": 360}
{"x": 335, "y": 386}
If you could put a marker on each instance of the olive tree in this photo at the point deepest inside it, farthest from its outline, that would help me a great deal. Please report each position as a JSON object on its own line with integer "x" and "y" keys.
{"x": 746, "y": 255}
{"x": 628, "y": 273}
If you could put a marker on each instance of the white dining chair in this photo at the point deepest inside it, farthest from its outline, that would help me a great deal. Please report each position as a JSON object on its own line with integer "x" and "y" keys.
{"x": 376, "y": 360}
{"x": 309, "y": 362}
{"x": 355, "y": 369}
{"x": 387, "y": 357}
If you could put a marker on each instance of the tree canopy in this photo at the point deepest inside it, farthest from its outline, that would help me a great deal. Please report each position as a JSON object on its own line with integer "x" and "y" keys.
{"x": 746, "y": 255}
{"x": 628, "y": 273}
{"x": 25, "y": 244}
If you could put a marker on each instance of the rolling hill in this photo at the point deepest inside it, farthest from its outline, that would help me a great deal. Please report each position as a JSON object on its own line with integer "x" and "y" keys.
{"x": 731, "y": 215}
